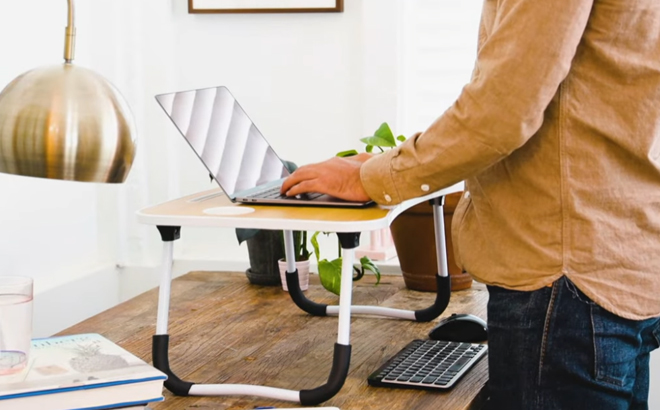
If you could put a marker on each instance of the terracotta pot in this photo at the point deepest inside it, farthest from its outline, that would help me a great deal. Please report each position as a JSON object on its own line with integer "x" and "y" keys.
{"x": 303, "y": 274}
{"x": 414, "y": 239}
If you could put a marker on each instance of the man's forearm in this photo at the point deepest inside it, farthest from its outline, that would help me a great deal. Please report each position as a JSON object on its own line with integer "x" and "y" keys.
{"x": 519, "y": 68}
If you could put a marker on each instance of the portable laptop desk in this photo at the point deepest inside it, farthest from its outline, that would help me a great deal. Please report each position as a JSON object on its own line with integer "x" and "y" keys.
{"x": 213, "y": 209}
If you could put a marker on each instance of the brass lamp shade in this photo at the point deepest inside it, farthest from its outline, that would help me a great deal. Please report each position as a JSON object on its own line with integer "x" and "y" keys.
{"x": 65, "y": 122}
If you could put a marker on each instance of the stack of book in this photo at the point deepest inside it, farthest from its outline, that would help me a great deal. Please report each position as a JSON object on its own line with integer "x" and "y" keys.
{"x": 81, "y": 372}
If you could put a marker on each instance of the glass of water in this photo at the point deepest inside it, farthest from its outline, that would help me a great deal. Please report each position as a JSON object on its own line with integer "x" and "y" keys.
{"x": 15, "y": 323}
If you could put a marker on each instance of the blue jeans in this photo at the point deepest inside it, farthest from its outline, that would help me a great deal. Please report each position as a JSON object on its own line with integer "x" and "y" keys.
{"x": 555, "y": 349}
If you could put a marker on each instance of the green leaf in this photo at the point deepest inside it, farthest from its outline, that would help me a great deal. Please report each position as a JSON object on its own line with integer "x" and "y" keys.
{"x": 369, "y": 148}
{"x": 368, "y": 264}
{"x": 401, "y": 138}
{"x": 315, "y": 245}
{"x": 378, "y": 141}
{"x": 330, "y": 275}
{"x": 385, "y": 133}
{"x": 358, "y": 272}
{"x": 348, "y": 153}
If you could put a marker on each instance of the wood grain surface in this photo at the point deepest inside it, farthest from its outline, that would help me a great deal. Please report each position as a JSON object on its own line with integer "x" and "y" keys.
{"x": 224, "y": 330}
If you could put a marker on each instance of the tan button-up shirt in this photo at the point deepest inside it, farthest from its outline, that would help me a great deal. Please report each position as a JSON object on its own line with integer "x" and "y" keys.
{"x": 558, "y": 138}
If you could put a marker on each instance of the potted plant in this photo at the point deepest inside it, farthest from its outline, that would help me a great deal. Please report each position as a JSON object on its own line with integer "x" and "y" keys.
{"x": 302, "y": 260}
{"x": 330, "y": 271}
{"x": 413, "y": 230}
{"x": 265, "y": 248}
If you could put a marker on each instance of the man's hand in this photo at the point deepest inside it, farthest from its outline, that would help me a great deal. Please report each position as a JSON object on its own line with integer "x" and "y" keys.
{"x": 338, "y": 177}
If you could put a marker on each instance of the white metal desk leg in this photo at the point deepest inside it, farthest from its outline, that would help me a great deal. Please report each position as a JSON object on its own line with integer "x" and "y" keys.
{"x": 165, "y": 288}
{"x": 338, "y": 373}
{"x": 160, "y": 348}
{"x": 168, "y": 234}
{"x": 442, "y": 279}
{"x": 349, "y": 242}
{"x": 422, "y": 315}
{"x": 440, "y": 240}
{"x": 345, "y": 297}
{"x": 161, "y": 340}
{"x": 289, "y": 249}
{"x": 342, "y": 354}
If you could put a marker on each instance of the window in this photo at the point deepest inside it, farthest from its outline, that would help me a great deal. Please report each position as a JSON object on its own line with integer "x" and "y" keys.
{"x": 439, "y": 49}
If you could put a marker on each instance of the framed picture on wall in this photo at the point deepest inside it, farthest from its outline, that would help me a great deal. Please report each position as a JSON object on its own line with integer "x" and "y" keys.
{"x": 264, "y": 6}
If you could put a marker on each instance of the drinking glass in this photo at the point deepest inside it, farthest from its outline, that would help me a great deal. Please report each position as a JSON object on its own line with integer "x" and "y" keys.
{"x": 15, "y": 323}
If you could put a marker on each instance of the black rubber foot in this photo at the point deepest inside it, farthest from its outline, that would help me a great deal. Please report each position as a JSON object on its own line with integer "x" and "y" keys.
{"x": 159, "y": 352}
{"x": 340, "y": 364}
{"x": 300, "y": 299}
{"x": 441, "y": 300}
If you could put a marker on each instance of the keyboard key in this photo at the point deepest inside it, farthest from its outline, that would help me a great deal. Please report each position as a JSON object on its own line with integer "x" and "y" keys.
{"x": 274, "y": 193}
{"x": 460, "y": 363}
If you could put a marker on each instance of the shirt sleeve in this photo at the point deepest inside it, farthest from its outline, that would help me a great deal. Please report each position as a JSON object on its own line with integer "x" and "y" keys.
{"x": 519, "y": 68}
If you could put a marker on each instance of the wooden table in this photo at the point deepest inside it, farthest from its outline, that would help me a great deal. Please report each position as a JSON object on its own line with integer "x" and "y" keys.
{"x": 225, "y": 330}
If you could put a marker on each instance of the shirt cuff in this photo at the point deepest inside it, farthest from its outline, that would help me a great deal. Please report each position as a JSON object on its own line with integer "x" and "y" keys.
{"x": 377, "y": 179}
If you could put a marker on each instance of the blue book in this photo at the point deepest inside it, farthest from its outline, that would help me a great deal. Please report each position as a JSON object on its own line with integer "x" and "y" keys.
{"x": 81, "y": 372}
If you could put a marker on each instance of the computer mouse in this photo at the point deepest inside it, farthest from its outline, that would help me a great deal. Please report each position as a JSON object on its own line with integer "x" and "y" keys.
{"x": 460, "y": 328}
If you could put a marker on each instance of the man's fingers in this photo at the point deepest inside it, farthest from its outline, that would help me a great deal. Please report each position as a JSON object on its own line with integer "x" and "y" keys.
{"x": 297, "y": 177}
{"x": 288, "y": 183}
{"x": 337, "y": 177}
{"x": 302, "y": 188}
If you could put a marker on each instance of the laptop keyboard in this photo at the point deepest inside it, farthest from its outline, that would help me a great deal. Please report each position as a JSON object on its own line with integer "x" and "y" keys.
{"x": 428, "y": 364}
{"x": 274, "y": 193}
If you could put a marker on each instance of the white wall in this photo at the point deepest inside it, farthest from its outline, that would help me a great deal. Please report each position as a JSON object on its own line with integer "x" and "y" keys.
{"x": 440, "y": 47}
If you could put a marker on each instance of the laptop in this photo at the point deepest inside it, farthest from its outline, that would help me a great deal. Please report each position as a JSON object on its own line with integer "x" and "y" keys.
{"x": 230, "y": 146}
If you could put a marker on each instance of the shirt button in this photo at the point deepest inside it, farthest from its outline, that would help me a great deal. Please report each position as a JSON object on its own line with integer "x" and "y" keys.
{"x": 388, "y": 198}
{"x": 425, "y": 188}
{"x": 467, "y": 194}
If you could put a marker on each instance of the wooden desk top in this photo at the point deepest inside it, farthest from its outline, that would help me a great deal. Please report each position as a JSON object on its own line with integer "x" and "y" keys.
{"x": 224, "y": 330}
{"x": 212, "y": 208}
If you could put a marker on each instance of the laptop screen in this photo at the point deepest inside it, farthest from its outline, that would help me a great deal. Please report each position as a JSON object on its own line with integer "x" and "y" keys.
{"x": 224, "y": 138}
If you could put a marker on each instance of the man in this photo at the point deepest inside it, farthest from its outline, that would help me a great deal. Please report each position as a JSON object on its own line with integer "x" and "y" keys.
{"x": 558, "y": 138}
